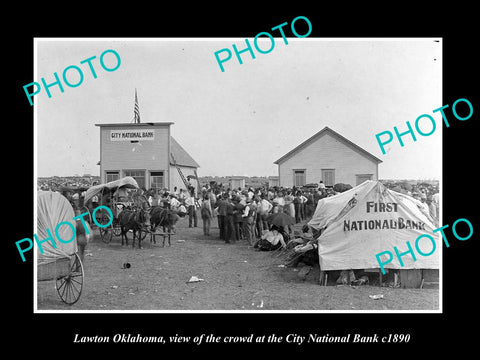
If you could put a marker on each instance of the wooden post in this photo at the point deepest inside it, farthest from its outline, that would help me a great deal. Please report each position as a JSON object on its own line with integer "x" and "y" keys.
{"x": 320, "y": 280}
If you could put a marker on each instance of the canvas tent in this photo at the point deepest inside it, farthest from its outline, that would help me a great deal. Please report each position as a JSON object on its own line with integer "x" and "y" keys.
{"x": 369, "y": 219}
{"x": 53, "y": 209}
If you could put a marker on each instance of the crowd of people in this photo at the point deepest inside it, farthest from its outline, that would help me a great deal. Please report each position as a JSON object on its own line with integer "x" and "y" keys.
{"x": 57, "y": 183}
{"x": 242, "y": 214}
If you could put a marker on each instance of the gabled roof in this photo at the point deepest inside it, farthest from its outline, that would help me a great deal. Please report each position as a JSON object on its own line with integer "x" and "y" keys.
{"x": 336, "y": 135}
{"x": 181, "y": 156}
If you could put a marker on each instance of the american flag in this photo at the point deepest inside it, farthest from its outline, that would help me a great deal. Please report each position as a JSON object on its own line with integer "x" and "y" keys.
{"x": 136, "y": 110}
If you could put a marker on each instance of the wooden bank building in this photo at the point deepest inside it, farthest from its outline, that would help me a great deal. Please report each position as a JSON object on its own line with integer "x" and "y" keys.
{"x": 147, "y": 152}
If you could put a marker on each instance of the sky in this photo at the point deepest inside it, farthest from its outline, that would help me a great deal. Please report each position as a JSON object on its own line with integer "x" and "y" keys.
{"x": 240, "y": 121}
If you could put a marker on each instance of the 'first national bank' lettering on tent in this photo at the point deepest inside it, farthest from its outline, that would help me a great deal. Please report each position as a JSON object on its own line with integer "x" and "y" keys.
{"x": 128, "y": 135}
{"x": 378, "y": 224}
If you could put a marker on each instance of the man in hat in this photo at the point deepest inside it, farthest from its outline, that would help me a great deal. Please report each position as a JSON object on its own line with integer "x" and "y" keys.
{"x": 423, "y": 197}
{"x": 206, "y": 213}
{"x": 263, "y": 208}
{"x": 174, "y": 203}
{"x": 248, "y": 220}
{"x": 192, "y": 209}
{"x": 238, "y": 217}
{"x": 222, "y": 215}
{"x": 230, "y": 225}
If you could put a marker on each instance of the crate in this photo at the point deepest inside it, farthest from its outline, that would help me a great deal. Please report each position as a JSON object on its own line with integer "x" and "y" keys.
{"x": 411, "y": 278}
{"x": 419, "y": 278}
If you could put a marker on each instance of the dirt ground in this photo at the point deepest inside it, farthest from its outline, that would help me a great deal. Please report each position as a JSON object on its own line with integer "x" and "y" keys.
{"x": 235, "y": 277}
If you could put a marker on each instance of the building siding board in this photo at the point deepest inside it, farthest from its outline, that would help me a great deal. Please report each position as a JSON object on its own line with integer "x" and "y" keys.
{"x": 144, "y": 155}
{"x": 327, "y": 152}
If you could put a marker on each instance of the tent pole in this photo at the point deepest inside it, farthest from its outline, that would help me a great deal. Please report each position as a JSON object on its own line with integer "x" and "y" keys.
{"x": 323, "y": 278}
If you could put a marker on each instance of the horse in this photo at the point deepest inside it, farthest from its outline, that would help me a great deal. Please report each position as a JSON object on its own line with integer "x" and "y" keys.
{"x": 166, "y": 218}
{"x": 133, "y": 220}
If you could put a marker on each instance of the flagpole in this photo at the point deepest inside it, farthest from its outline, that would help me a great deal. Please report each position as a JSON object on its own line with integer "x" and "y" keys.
{"x": 136, "y": 109}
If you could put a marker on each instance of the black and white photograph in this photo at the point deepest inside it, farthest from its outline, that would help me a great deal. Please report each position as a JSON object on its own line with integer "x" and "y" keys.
{"x": 225, "y": 179}
{"x": 254, "y": 186}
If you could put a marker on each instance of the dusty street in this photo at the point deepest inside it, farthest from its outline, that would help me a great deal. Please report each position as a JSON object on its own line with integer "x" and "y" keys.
{"x": 235, "y": 277}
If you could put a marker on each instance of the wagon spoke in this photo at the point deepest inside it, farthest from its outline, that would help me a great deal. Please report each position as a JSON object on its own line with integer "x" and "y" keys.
{"x": 73, "y": 279}
{"x": 64, "y": 282}
{"x": 71, "y": 293}
{"x": 67, "y": 288}
{"x": 73, "y": 287}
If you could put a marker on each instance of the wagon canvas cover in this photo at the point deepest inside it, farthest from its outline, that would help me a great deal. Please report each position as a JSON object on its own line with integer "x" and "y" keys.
{"x": 52, "y": 209}
{"x": 369, "y": 219}
{"x": 127, "y": 182}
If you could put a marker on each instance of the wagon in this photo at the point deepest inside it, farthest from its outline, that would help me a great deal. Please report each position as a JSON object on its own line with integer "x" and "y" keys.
{"x": 114, "y": 196}
{"x": 61, "y": 262}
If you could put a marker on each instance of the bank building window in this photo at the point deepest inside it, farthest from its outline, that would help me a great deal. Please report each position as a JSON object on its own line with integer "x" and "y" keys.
{"x": 138, "y": 175}
{"x": 157, "y": 180}
{"x": 112, "y": 176}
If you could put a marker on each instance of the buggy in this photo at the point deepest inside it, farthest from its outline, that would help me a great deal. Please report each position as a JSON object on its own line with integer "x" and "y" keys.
{"x": 60, "y": 262}
{"x": 115, "y": 196}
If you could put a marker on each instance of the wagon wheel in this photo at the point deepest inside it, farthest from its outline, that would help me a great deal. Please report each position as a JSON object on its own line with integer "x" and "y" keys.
{"x": 69, "y": 287}
{"x": 106, "y": 233}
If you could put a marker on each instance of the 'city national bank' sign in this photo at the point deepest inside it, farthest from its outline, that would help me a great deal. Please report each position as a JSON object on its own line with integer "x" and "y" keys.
{"x": 128, "y": 135}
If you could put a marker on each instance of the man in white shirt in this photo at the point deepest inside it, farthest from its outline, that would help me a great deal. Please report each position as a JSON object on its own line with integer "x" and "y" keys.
{"x": 192, "y": 211}
{"x": 248, "y": 225}
{"x": 174, "y": 203}
{"x": 263, "y": 208}
{"x": 270, "y": 240}
{"x": 182, "y": 195}
{"x": 250, "y": 193}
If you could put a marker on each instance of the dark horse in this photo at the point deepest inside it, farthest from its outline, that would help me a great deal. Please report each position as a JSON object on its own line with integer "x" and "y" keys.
{"x": 133, "y": 220}
{"x": 163, "y": 217}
